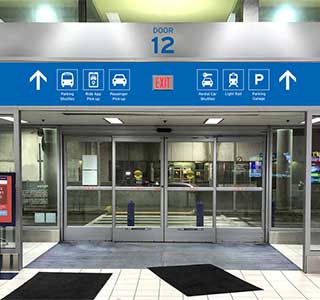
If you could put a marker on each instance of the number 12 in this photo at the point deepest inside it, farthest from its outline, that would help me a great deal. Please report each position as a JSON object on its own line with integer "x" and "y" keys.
{"x": 168, "y": 42}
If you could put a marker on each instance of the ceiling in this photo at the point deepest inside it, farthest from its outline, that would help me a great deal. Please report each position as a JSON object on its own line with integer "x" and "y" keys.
{"x": 158, "y": 119}
{"x": 155, "y": 11}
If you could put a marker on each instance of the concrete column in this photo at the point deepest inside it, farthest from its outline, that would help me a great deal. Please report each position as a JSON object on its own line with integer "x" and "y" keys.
{"x": 250, "y": 10}
{"x": 284, "y": 168}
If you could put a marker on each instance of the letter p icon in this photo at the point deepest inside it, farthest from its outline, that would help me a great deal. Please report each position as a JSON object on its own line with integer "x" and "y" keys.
{"x": 258, "y": 78}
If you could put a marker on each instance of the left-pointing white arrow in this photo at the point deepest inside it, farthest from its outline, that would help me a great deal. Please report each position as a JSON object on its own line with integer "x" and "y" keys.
{"x": 38, "y": 76}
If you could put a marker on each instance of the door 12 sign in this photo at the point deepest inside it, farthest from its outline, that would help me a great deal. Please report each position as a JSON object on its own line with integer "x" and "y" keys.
{"x": 7, "y": 199}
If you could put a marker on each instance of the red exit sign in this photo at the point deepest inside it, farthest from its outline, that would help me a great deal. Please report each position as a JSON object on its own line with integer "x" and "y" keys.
{"x": 162, "y": 82}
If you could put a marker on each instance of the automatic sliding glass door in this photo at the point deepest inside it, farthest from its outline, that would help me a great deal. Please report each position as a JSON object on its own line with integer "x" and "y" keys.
{"x": 138, "y": 189}
{"x": 240, "y": 189}
{"x": 88, "y": 188}
{"x": 189, "y": 190}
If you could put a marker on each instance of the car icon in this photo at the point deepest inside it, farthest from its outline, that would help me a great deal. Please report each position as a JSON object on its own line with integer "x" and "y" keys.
{"x": 119, "y": 79}
{"x": 207, "y": 81}
{"x": 67, "y": 79}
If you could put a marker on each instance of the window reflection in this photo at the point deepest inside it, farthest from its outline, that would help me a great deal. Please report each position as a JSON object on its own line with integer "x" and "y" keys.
{"x": 138, "y": 164}
{"x": 239, "y": 164}
{"x": 190, "y": 164}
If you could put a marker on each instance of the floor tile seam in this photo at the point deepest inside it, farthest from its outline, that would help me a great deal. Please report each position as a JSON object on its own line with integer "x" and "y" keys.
{"x": 243, "y": 275}
{"x": 114, "y": 285}
{"x": 282, "y": 272}
{"x": 271, "y": 285}
{"x": 135, "y": 292}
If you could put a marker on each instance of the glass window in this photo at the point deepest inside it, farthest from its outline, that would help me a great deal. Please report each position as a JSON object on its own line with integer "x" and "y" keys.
{"x": 190, "y": 209}
{"x": 288, "y": 171}
{"x": 138, "y": 164}
{"x": 89, "y": 208}
{"x": 39, "y": 176}
{"x": 239, "y": 209}
{"x": 190, "y": 164}
{"x": 89, "y": 163}
{"x": 138, "y": 208}
{"x": 239, "y": 164}
{"x": 44, "y": 11}
{"x": 315, "y": 189}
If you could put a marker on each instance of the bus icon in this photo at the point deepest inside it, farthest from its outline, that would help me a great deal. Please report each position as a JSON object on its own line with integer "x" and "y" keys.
{"x": 67, "y": 79}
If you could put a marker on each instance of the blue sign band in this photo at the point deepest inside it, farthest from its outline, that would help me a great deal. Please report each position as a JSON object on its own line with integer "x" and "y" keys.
{"x": 130, "y": 84}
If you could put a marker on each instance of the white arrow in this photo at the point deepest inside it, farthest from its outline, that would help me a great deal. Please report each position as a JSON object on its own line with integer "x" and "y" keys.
{"x": 38, "y": 76}
{"x": 288, "y": 75}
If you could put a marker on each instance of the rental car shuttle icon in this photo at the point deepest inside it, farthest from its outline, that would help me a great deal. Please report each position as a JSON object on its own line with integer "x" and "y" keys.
{"x": 67, "y": 79}
{"x": 207, "y": 80}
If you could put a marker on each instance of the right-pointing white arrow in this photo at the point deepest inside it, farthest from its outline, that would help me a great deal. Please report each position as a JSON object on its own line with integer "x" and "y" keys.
{"x": 38, "y": 76}
{"x": 287, "y": 75}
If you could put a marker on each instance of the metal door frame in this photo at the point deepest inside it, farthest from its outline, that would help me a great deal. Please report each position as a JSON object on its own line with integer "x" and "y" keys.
{"x": 190, "y": 234}
{"x": 138, "y": 234}
{"x": 99, "y": 233}
{"x": 245, "y": 234}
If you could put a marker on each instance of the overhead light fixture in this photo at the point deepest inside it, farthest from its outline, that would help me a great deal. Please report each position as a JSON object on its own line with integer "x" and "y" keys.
{"x": 46, "y": 14}
{"x": 285, "y": 14}
{"x": 113, "y": 17}
{"x": 213, "y": 121}
{"x": 314, "y": 121}
{"x": 113, "y": 120}
{"x": 11, "y": 119}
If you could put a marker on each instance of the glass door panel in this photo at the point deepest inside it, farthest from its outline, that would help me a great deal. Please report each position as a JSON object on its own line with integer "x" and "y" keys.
{"x": 88, "y": 195}
{"x": 190, "y": 209}
{"x": 239, "y": 164}
{"x": 138, "y": 208}
{"x": 138, "y": 191}
{"x": 240, "y": 189}
{"x": 189, "y": 196}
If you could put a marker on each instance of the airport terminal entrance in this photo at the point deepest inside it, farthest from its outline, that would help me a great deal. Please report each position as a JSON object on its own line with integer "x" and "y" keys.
{"x": 197, "y": 189}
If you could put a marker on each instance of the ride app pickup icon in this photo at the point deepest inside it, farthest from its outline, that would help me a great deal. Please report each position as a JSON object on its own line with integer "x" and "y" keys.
{"x": 207, "y": 80}
{"x": 119, "y": 80}
{"x": 93, "y": 80}
{"x": 67, "y": 80}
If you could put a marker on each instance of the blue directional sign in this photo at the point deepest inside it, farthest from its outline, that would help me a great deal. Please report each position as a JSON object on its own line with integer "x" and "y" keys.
{"x": 131, "y": 84}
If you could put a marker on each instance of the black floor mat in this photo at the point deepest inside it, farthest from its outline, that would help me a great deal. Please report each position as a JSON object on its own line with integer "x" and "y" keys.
{"x": 62, "y": 286}
{"x": 196, "y": 280}
{"x": 7, "y": 275}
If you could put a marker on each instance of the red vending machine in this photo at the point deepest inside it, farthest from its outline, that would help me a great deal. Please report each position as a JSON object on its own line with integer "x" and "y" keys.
{"x": 7, "y": 199}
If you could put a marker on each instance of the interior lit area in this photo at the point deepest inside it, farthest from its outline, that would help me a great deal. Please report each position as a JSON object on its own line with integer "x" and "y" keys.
{"x": 151, "y": 11}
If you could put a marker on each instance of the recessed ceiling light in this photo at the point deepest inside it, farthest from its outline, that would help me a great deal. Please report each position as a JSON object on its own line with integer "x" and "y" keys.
{"x": 213, "y": 121}
{"x": 285, "y": 14}
{"x": 314, "y": 120}
{"x": 113, "y": 120}
{"x": 113, "y": 17}
{"x": 11, "y": 119}
{"x": 46, "y": 14}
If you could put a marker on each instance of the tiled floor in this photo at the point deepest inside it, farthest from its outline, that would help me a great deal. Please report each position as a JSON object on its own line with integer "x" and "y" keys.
{"x": 142, "y": 284}
{"x": 31, "y": 251}
{"x": 292, "y": 252}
